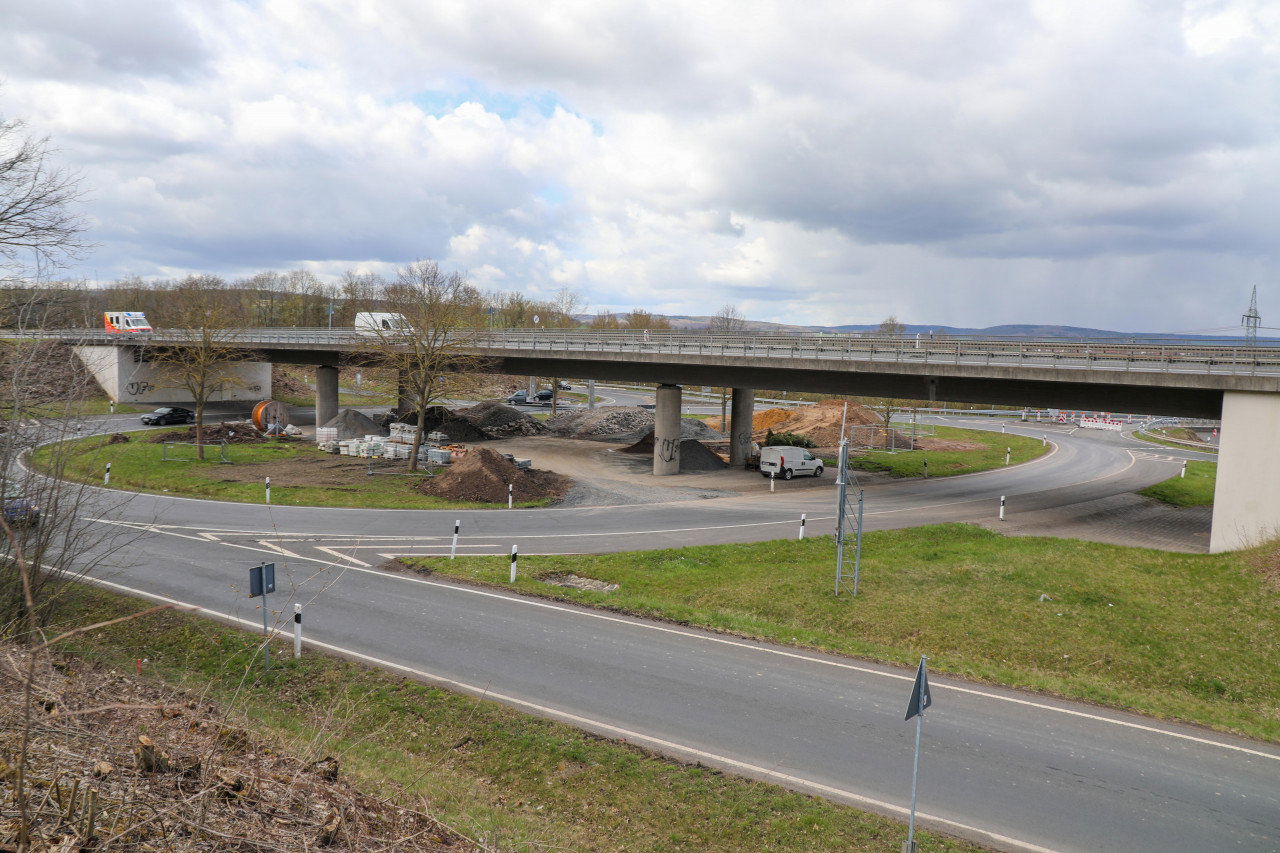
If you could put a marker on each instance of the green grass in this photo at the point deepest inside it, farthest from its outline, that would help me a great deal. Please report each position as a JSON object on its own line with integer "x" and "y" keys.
{"x": 1196, "y": 489}
{"x": 1173, "y": 635}
{"x": 949, "y": 463}
{"x": 1151, "y": 439}
{"x": 515, "y": 781}
{"x": 78, "y": 409}
{"x": 137, "y": 466}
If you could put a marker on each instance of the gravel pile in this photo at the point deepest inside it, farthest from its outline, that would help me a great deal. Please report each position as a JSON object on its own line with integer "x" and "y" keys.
{"x": 694, "y": 455}
{"x": 499, "y": 420}
{"x": 353, "y": 424}
{"x": 621, "y": 423}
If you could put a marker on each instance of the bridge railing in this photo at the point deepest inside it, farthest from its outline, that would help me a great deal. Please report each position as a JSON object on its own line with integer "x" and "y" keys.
{"x": 1107, "y": 354}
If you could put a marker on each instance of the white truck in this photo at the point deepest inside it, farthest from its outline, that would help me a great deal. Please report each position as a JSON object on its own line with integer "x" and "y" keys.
{"x": 381, "y": 323}
{"x": 785, "y": 462}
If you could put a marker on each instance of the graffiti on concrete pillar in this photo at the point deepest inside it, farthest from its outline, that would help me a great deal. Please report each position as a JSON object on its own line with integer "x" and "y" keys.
{"x": 137, "y": 389}
{"x": 669, "y": 449}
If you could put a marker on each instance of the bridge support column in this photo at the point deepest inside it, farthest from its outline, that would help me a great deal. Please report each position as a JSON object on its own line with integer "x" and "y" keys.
{"x": 326, "y": 394}
{"x": 666, "y": 431}
{"x": 742, "y": 414}
{"x": 1246, "y": 502}
{"x": 403, "y": 404}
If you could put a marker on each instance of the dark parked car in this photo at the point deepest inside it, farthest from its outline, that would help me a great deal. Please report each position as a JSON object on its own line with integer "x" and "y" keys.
{"x": 169, "y": 415}
{"x": 521, "y": 398}
{"x": 19, "y": 510}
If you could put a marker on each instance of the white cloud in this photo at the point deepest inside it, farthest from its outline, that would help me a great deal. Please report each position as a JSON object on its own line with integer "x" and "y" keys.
{"x": 960, "y": 163}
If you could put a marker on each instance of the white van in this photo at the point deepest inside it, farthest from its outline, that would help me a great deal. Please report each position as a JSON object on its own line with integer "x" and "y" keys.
{"x": 381, "y": 323}
{"x": 785, "y": 462}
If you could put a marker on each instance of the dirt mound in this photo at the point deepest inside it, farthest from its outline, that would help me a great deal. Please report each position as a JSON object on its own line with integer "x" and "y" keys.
{"x": 452, "y": 424}
{"x": 483, "y": 474}
{"x": 694, "y": 455}
{"x": 352, "y": 424}
{"x": 238, "y": 432}
{"x": 117, "y": 438}
{"x": 499, "y": 420}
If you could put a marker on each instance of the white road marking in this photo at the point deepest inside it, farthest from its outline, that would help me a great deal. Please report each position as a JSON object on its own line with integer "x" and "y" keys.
{"x": 638, "y": 623}
{"x": 333, "y": 552}
{"x": 600, "y": 725}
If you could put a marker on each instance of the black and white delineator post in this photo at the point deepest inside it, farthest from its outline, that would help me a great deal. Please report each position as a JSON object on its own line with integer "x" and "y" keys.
{"x": 268, "y": 490}
{"x": 297, "y": 630}
{"x": 1008, "y": 452}
{"x": 803, "y": 517}
{"x": 106, "y": 478}
{"x": 262, "y": 582}
{"x": 513, "y": 563}
{"x": 1183, "y": 474}
{"x": 920, "y": 699}
{"x": 1002, "y": 507}
{"x": 843, "y": 521}
{"x": 453, "y": 549}
{"x": 510, "y": 497}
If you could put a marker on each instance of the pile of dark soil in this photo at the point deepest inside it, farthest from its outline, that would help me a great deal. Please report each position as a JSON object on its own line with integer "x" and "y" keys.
{"x": 499, "y": 420}
{"x": 694, "y": 455}
{"x": 483, "y": 474}
{"x": 117, "y": 438}
{"x": 240, "y": 432}
{"x": 457, "y": 427}
{"x": 354, "y": 424}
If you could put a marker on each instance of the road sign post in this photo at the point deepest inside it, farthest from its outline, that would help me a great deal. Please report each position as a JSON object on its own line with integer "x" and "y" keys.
{"x": 920, "y": 699}
{"x": 262, "y": 582}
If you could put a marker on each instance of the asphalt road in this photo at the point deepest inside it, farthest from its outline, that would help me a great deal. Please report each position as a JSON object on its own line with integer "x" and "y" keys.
{"x": 1015, "y": 770}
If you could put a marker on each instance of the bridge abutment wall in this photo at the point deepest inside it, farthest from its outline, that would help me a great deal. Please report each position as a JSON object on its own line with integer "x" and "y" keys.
{"x": 1246, "y": 502}
{"x": 126, "y": 376}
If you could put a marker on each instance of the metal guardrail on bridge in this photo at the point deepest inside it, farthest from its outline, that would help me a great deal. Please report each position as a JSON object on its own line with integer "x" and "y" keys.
{"x": 1140, "y": 356}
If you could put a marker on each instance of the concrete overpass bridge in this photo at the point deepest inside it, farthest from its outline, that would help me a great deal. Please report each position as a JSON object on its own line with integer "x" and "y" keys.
{"x": 1239, "y": 384}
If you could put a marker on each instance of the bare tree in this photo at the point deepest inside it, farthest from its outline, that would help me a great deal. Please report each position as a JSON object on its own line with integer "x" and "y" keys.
{"x": 430, "y": 351}
{"x": 638, "y": 318}
{"x": 37, "y": 216}
{"x": 892, "y": 327}
{"x": 727, "y": 321}
{"x": 211, "y": 317}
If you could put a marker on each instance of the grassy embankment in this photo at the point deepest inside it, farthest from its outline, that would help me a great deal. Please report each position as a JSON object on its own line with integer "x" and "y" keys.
{"x": 949, "y": 463}
{"x": 514, "y": 781}
{"x": 137, "y": 466}
{"x": 1153, "y": 439}
{"x": 1172, "y": 635}
{"x": 1196, "y": 489}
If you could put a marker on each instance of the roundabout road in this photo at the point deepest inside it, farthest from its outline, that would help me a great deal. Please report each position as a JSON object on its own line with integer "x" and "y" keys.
{"x": 1015, "y": 770}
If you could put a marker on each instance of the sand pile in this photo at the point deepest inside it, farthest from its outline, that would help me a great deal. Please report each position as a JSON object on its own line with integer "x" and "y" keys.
{"x": 239, "y": 432}
{"x": 353, "y": 424}
{"x": 483, "y": 474}
{"x": 819, "y": 422}
{"x": 498, "y": 420}
{"x": 694, "y": 455}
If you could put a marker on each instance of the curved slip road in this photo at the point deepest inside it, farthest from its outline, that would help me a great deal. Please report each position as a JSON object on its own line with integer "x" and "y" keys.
{"x": 1016, "y": 770}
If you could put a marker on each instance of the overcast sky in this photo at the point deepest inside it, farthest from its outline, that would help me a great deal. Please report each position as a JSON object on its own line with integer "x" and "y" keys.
{"x": 1110, "y": 164}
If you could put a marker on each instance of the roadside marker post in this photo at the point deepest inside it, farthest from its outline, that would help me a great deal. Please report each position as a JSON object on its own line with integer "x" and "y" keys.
{"x": 106, "y": 478}
{"x": 926, "y": 469}
{"x": 262, "y": 582}
{"x": 1002, "y": 428}
{"x": 1002, "y": 507}
{"x": 453, "y": 549}
{"x": 802, "y": 521}
{"x": 111, "y": 406}
{"x": 1044, "y": 441}
{"x": 514, "y": 557}
{"x": 268, "y": 490}
{"x": 1008, "y": 452}
{"x": 771, "y": 473}
{"x": 510, "y": 498}
{"x": 1183, "y": 474}
{"x": 297, "y": 630}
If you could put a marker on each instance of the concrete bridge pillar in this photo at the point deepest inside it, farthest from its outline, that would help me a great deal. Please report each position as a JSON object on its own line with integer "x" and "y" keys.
{"x": 326, "y": 394}
{"x": 666, "y": 431}
{"x": 1246, "y": 502}
{"x": 744, "y": 405}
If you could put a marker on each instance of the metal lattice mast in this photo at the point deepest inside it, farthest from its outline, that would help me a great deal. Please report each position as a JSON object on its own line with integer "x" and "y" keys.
{"x": 1252, "y": 319}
